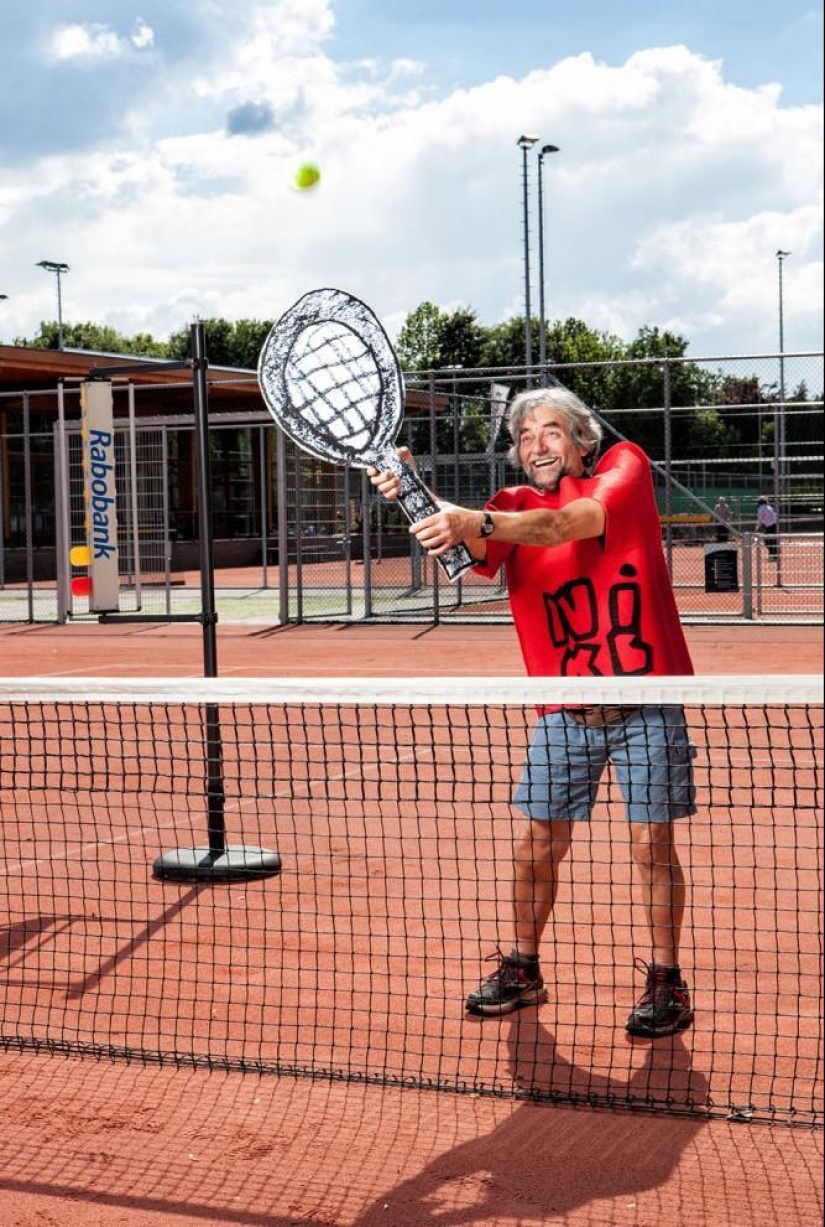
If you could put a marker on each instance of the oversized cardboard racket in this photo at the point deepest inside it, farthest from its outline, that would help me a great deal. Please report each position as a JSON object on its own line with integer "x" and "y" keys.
{"x": 331, "y": 380}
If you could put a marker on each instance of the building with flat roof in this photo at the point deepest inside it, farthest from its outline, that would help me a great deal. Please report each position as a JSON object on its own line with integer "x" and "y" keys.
{"x": 158, "y": 399}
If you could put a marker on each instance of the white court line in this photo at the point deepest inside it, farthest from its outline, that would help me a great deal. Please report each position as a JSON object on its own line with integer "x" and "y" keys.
{"x": 89, "y": 671}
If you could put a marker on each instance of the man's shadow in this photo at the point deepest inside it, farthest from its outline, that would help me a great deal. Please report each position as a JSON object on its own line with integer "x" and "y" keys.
{"x": 547, "y": 1159}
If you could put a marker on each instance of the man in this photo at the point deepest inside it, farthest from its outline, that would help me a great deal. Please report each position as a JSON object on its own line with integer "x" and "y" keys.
{"x": 724, "y": 519}
{"x": 590, "y": 594}
{"x": 768, "y": 525}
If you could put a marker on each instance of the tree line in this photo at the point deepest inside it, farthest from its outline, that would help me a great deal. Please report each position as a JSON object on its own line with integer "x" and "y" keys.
{"x": 624, "y": 378}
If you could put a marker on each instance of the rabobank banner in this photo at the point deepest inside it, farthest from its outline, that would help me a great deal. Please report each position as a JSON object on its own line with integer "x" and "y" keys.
{"x": 99, "y": 494}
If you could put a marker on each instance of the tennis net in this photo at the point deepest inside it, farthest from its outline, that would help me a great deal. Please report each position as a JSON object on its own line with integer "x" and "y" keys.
{"x": 387, "y": 805}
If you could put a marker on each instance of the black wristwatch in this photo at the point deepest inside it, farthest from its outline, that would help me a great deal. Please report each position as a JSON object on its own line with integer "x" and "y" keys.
{"x": 487, "y": 526}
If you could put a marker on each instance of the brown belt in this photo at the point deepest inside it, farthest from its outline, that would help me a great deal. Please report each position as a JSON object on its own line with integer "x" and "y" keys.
{"x": 599, "y": 716}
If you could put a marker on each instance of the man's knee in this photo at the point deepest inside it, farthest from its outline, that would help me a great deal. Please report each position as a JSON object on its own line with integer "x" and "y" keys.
{"x": 651, "y": 844}
{"x": 542, "y": 841}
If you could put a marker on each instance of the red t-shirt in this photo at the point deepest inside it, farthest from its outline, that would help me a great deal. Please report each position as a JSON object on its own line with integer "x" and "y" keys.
{"x": 603, "y": 606}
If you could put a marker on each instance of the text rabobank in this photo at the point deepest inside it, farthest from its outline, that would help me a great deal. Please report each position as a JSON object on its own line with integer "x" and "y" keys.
{"x": 101, "y": 493}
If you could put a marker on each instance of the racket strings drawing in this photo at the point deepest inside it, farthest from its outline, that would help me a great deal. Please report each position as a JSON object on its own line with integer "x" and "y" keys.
{"x": 330, "y": 378}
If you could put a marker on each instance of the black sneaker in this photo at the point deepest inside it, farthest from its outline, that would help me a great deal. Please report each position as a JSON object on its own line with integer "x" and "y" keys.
{"x": 510, "y": 987}
{"x": 664, "y": 1007}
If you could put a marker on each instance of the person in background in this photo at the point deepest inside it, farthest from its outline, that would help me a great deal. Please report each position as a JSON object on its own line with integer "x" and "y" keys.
{"x": 767, "y": 524}
{"x": 724, "y": 519}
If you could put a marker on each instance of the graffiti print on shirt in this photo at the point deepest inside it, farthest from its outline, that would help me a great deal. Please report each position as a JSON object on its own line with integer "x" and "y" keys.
{"x": 574, "y": 626}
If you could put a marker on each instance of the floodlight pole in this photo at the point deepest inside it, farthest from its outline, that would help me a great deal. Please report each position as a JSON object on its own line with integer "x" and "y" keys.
{"x": 779, "y": 445}
{"x": 525, "y": 144}
{"x": 545, "y": 149}
{"x": 53, "y": 266}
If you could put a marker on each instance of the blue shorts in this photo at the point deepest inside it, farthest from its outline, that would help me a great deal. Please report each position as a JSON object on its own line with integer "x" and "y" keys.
{"x": 649, "y": 749}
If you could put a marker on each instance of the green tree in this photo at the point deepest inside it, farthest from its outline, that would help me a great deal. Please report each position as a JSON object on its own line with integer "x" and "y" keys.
{"x": 571, "y": 341}
{"x": 503, "y": 344}
{"x": 219, "y": 338}
{"x": 460, "y": 340}
{"x": 99, "y": 338}
{"x": 709, "y": 435}
{"x": 248, "y": 342}
{"x": 233, "y": 344}
{"x": 431, "y": 339}
{"x": 418, "y": 344}
{"x": 638, "y": 386}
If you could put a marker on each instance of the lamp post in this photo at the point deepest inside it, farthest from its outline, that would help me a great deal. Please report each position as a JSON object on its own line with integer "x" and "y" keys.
{"x": 545, "y": 149}
{"x": 779, "y": 446}
{"x": 52, "y": 266}
{"x": 525, "y": 144}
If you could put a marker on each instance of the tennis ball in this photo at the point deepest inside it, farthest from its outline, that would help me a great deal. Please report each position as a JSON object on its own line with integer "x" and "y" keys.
{"x": 306, "y": 176}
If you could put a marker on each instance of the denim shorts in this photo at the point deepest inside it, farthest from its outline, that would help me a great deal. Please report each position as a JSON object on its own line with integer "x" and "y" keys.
{"x": 650, "y": 752}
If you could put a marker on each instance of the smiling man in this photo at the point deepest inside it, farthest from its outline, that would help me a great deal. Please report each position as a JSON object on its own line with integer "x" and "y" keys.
{"x": 590, "y": 595}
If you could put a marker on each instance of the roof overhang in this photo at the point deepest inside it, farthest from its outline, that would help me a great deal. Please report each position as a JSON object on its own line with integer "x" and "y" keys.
{"x": 27, "y": 369}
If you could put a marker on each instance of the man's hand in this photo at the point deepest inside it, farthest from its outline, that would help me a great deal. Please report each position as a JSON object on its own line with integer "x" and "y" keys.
{"x": 389, "y": 484}
{"x": 449, "y": 526}
{"x": 437, "y": 533}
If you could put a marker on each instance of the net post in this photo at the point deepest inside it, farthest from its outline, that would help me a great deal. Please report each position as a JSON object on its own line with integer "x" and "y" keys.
{"x": 434, "y": 466}
{"x": 200, "y": 365}
{"x": 283, "y": 525}
{"x": 747, "y": 576}
{"x": 215, "y": 795}
{"x": 219, "y": 861}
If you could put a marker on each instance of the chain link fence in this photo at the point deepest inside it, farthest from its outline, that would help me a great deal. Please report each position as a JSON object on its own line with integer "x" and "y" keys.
{"x": 297, "y": 539}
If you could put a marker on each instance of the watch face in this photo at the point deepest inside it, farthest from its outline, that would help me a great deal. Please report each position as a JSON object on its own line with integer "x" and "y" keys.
{"x": 487, "y": 525}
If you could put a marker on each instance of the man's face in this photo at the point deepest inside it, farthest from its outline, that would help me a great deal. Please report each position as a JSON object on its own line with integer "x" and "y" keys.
{"x": 546, "y": 451}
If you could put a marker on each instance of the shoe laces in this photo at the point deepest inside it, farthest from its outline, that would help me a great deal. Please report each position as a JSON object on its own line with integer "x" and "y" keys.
{"x": 658, "y": 990}
{"x": 507, "y": 972}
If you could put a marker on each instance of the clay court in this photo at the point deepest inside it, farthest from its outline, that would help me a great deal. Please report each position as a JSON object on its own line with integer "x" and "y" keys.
{"x": 88, "y": 1141}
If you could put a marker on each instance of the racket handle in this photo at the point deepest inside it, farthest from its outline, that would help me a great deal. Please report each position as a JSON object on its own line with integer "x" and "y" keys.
{"x": 417, "y": 503}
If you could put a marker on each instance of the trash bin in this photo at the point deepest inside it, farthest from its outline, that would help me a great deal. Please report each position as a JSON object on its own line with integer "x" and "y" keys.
{"x": 721, "y": 568}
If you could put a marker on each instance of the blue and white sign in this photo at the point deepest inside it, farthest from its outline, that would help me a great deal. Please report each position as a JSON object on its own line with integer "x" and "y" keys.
{"x": 100, "y": 495}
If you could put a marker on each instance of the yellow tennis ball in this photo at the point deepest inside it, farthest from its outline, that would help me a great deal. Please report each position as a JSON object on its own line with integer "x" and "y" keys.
{"x": 306, "y": 176}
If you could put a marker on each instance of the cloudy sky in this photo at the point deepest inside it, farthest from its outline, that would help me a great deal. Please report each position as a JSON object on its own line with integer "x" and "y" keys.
{"x": 150, "y": 145}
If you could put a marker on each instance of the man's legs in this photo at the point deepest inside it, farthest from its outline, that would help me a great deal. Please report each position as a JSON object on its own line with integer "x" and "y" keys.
{"x": 539, "y": 849}
{"x": 663, "y": 887}
{"x": 665, "y": 1006}
{"x": 653, "y": 755}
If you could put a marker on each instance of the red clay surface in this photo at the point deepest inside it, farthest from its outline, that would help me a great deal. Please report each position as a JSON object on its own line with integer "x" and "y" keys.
{"x": 356, "y": 650}
{"x": 84, "y": 1143}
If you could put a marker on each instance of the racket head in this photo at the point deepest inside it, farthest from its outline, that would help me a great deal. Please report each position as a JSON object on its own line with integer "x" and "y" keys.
{"x": 330, "y": 378}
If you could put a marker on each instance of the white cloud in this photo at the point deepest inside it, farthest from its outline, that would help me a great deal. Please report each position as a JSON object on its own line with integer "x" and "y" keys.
{"x": 89, "y": 41}
{"x": 277, "y": 40}
{"x": 672, "y": 190}
{"x": 732, "y": 265}
{"x": 406, "y": 68}
{"x": 96, "y": 41}
{"x": 142, "y": 35}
